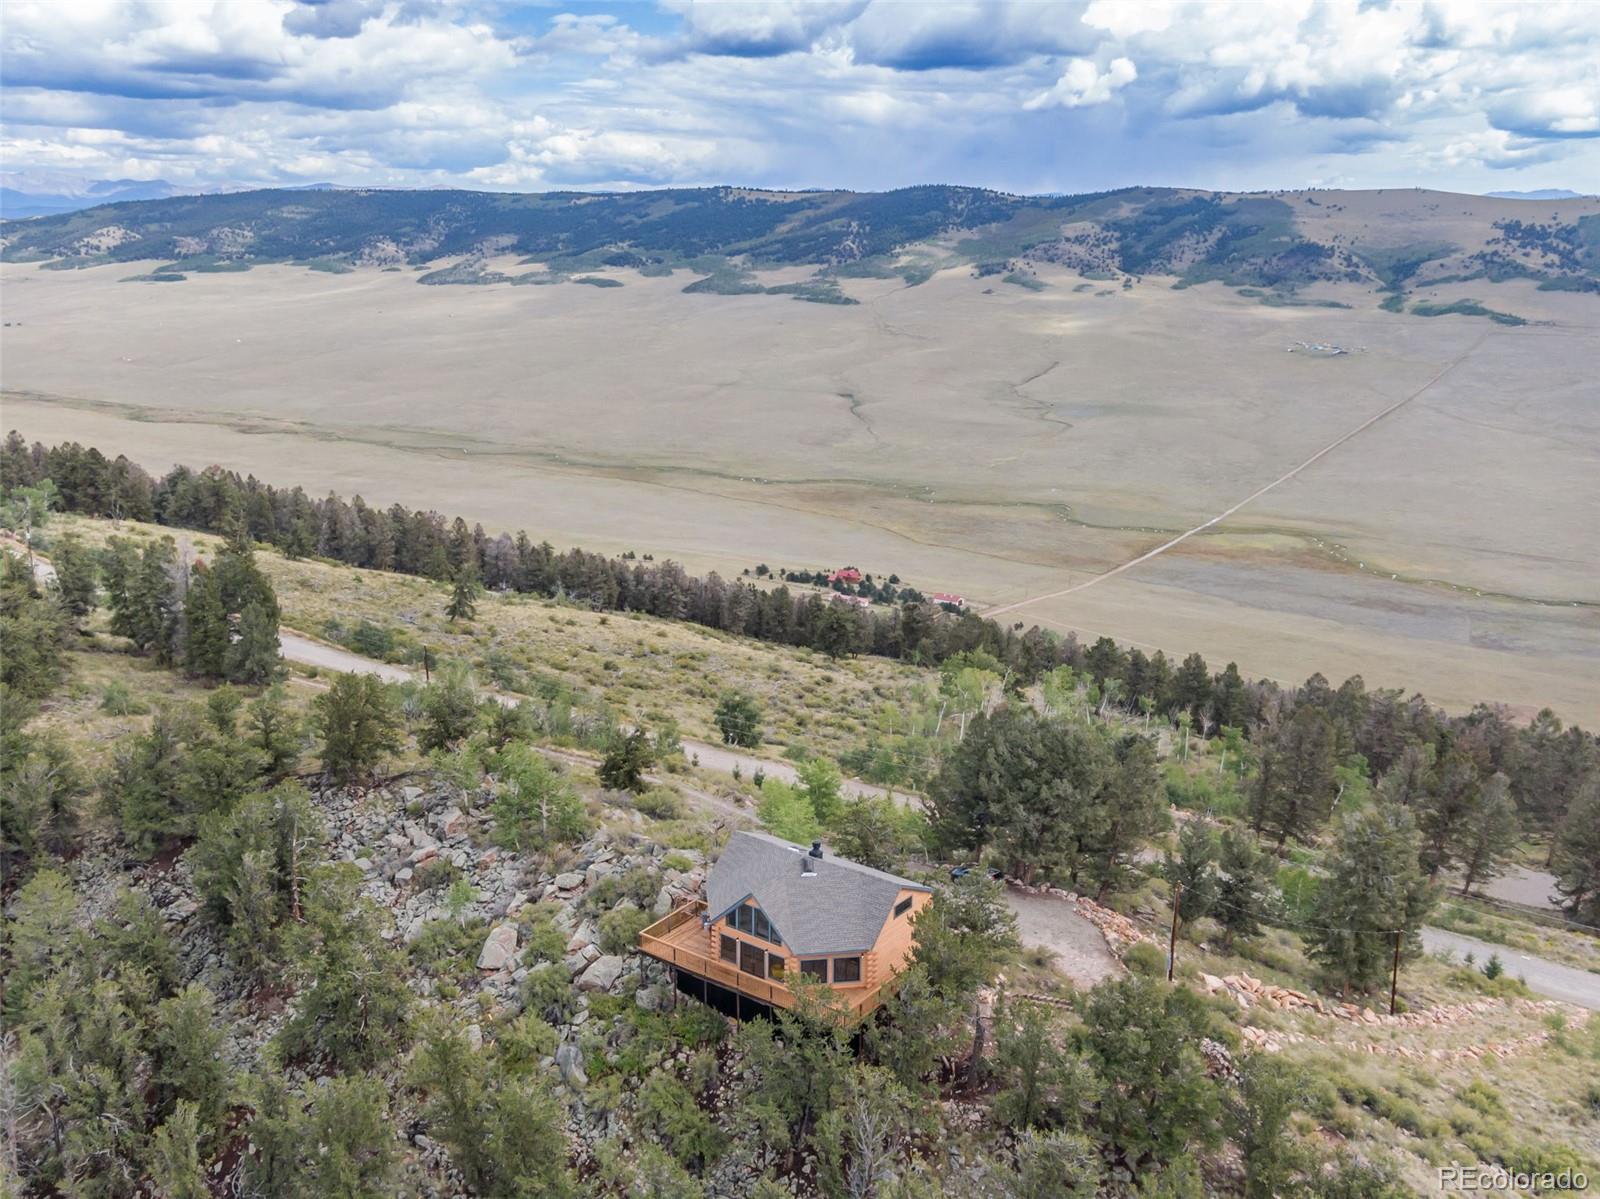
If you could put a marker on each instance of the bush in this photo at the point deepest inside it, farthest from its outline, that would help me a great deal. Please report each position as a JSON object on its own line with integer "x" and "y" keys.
{"x": 659, "y": 803}
{"x": 1146, "y": 959}
{"x": 547, "y": 993}
{"x": 620, "y": 928}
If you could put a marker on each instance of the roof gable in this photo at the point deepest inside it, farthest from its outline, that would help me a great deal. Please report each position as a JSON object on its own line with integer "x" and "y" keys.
{"x": 839, "y": 908}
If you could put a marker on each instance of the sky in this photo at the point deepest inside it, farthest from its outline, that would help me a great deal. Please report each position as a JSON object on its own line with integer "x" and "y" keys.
{"x": 1042, "y": 96}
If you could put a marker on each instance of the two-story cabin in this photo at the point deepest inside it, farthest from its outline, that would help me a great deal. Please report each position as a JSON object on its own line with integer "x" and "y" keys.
{"x": 774, "y": 910}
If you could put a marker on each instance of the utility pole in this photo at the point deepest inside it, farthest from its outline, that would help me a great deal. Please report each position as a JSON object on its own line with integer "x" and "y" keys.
{"x": 1394, "y": 978}
{"x": 1172, "y": 943}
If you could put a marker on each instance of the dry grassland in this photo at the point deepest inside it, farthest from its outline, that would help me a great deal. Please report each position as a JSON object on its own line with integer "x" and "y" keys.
{"x": 967, "y": 434}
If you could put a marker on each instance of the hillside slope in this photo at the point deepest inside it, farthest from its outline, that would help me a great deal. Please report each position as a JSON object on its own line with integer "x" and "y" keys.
{"x": 1279, "y": 239}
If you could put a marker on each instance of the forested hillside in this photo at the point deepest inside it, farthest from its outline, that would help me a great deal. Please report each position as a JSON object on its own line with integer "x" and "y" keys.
{"x": 1280, "y": 239}
{"x": 272, "y": 929}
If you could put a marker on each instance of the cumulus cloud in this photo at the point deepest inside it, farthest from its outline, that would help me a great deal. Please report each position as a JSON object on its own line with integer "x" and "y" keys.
{"x": 1070, "y": 95}
{"x": 1084, "y": 83}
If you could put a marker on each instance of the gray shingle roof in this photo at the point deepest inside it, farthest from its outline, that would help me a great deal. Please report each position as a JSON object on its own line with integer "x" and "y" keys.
{"x": 839, "y": 909}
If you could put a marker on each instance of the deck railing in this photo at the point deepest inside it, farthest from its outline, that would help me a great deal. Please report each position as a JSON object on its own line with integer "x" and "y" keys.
{"x": 664, "y": 939}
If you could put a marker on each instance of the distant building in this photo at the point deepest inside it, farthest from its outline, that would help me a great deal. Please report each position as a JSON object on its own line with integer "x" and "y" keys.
{"x": 855, "y": 601}
{"x": 944, "y": 597}
{"x": 848, "y": 574}
{"x": 772, "y": 910}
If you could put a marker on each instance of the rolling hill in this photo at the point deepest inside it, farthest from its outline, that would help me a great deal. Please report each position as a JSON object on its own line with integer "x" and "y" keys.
{"x": 1385, "y": 239}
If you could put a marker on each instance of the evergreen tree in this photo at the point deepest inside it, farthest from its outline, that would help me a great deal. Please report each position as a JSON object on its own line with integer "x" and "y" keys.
{"x": 39, "y": 798}
{"x": 1245, "y": 892}
{"x": 358, "y": 723}
{"x": 625, "y": 762}
{"x": 1487, "y": 834}
{"x": 254, "y": 655}
{"x": 1043, "y": 1084}
{"x": 1260, "y": 1118}
{"x": 354, "y": 1012}
{"x": 1374, "y": 889}
{"x": 464, "y": 592}
{"x": 275, "y": 731}
{"x": 348, "y": 1142}
{"x": 76, "y": 578}
{"x": 175, "y": 1157}
{"x": 1576, "y": 860}
{"x": 1191, "y": 689}
{"x": 33, "y": 633}
{"x": 189, "y": 1069}
{"x": 1194, "y": 869}
{"x": 1295, "y": 785}
{"x": 208, "y": 635}
{"x": 1156, "y": 1101}
{"x": 738, "y": 716}
{"x": 450, "y": 708}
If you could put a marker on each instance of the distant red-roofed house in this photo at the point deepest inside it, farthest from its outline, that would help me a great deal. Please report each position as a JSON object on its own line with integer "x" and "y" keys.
{"x": 944, "y": 597}
{"x": 848, "y": 575}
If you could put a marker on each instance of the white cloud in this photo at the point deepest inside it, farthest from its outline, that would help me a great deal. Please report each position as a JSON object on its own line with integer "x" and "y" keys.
{"x": 829, "y": 92}
{"x": 1084, "y": 83}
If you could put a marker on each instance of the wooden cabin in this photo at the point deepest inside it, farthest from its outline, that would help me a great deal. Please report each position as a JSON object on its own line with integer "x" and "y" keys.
{"x": 774, "y": 910}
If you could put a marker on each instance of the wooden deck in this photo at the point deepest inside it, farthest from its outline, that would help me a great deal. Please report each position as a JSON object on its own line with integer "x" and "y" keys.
{"x": 678, "y": 940}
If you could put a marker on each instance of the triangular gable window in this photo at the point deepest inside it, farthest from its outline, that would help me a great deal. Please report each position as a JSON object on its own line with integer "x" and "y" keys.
{"x": 748, "y": 918}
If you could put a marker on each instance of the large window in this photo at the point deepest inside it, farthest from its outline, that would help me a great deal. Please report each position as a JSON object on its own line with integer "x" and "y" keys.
{"x": 752, "y": 959}
{"x": 904, "y": 906}
{"x": 730, "y": 948}
{"x": 846, "y": 970}
{"x": 815, "y": 967}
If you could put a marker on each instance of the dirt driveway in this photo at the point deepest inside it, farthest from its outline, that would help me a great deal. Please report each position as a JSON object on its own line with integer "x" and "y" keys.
{"x": 1044, "y": 921}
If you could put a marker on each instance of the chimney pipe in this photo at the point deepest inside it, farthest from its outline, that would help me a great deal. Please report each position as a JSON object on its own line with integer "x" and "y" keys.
{"x": 816, "y": 849}
{"x": 807, "y": 868}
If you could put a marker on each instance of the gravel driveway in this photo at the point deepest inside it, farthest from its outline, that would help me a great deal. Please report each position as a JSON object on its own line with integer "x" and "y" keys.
{"x": 1044, "y": 921}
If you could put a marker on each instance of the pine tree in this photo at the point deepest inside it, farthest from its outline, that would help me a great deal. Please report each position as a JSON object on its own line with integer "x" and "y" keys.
{"x": 1374, "y": 889}
{"x": 76, "y": 575}
{"x": 450, "y": 709}
{"x": 207, "y": 633}
{"x": 187, "y": 1050}
{"x": 1576, "y": 858}
{"x": 464, "y": 593}
{"x": 1295, "y": 784}
{"x": 175, "y": 1157}
{"x": 738, "y": 716}
{"x": 1487, "y": 834}
{"x": 625, "y": 762}
{"x": 254, "y": 655}
{"x": 1244, "y": 891}
{"x": 275, "y": 730}
{"x": 358, "y": 723}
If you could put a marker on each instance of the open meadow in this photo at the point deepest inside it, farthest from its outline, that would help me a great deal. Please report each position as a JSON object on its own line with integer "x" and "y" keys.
{"x": 1008, "y": 443}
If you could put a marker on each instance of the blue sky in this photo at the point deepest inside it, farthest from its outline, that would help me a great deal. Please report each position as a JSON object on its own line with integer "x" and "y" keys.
{"x": 1044, "y": 96}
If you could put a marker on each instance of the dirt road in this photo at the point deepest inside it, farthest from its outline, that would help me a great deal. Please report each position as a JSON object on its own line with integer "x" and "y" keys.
{"x": 1254, "y": 495}
{"x": 1566, "y": 983}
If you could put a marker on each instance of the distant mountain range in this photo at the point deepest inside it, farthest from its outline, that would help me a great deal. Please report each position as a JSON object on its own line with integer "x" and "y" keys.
{"x": 1543, "y": 193}
{"x": 1388, "y": 239}
{"x": 26, "y": 198}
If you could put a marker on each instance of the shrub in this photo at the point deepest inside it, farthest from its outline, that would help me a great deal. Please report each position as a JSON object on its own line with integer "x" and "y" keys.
{"x": 659, "y": 803}
{"x": 1146, "y": 959}
{"x": 620, "y": 928}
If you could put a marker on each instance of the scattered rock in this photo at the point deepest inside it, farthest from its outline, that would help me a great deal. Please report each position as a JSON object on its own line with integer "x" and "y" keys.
{"x": 603, "y": 974}
{"x": 499, "y": 948}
